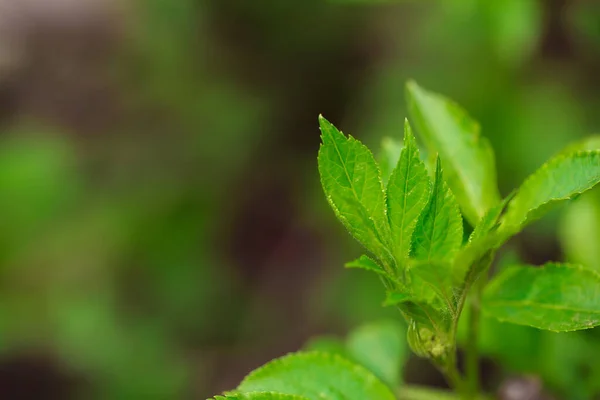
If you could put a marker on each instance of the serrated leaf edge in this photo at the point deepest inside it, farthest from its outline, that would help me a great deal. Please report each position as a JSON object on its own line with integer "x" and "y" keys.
{"x": 539, "y": 171}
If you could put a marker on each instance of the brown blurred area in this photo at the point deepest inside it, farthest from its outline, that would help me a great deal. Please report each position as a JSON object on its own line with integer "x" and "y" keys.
{"x": 164, "y": 227}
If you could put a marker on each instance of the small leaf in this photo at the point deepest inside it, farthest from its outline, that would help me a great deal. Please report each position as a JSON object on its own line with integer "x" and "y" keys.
{"x": 555, "y": 297}
{"x": 468, "y": 157}
{"x": 407, "y": 192}
{"x": 490, "y": 220}
{"x": 395, "y": 298}
{"x": 562, "y": 178}
{"x": 388, "y": 158}
{"x": 439, "y": 232}
{"x": 434, "y": 277}
{"x": 381, "y": 348}
{"x": 352, "y": 183}
{"x": 475, "y": 257}
{"x": 317, "y": 376}
{"x": 484, "y": 240}
{"x": 418, "y": 308}
{"x": 367, "y": 263}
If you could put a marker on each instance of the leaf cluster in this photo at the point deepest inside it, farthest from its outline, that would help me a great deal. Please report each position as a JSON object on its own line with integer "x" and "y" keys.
{"x": 407, "y": 212}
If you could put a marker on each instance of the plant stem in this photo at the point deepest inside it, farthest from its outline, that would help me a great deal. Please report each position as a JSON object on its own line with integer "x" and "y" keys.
{"x": 450, "y": 370}
{"x": 472, "y": 351}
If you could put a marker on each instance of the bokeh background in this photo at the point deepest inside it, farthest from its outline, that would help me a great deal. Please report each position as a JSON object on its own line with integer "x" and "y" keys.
{"x": 163, "y": 229}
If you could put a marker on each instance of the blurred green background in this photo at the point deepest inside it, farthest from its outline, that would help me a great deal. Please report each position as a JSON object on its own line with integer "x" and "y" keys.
{"x": 164, "y": 230}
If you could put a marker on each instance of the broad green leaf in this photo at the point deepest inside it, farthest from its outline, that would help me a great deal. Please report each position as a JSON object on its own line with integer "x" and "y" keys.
{"x": 388, "y": 158}
{"x": 407, "y": 192}
{"x": 259, "y": 396}
{"x": 439, "y": 232}
{"x": 554, "y": 297}
{"x": 468, "y": 158}
{"x": 381, "y": 348}
{"x": 366, "y": 263}
{"x": 562, "y": 178}
{"x": 352, "y": 183}
{"x": 317, "y": 376}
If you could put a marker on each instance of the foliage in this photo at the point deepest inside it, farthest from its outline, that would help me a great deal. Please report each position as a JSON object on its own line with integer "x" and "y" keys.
{"x": 412, "y": 228}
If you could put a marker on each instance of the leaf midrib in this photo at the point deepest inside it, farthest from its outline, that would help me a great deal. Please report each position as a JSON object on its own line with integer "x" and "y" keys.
{"x": 350, "y": 181}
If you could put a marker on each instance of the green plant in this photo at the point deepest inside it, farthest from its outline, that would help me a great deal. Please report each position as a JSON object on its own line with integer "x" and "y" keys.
{"x": 407, "y": 212}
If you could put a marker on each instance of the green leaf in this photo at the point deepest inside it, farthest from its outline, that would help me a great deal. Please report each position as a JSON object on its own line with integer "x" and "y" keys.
{"x": 555, "y": 297}
{"x": 407, "y": 192}
{"x": 473, "y": 258}
{"x": 317, "y": 376}
{"x": 490, "y": 220}
{"x": 259, "y": 396}
{"x": 352, "y": 183}
{"x": 367, "y": 263}
{"x": 395, "y": 298}
{"x": 435, "y": 278}
{"x": 418, "y": 307}
{"x": 439, "y": 232}
{"x": 381, "y": 348}
{"x": 468, "y": 157}
{"x": 388, "y": 158}
{"x": 562, "y": 178}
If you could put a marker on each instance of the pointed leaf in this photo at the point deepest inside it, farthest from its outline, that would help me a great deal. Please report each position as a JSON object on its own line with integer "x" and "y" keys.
{"x": 395, "y": 298}
{"x": 468, "y": 157}
{"x": 407, "y": 192}
{"x": 555, "y": 297}
{"x": 388, "y": 158}
{"x": 367, "y": 263}
{"x": 352, "y": 183}
{"x": 490, "y": 220}
{"x": 473, "y": 258}
{"x": 381, "y": 348}
{"x": 317, "y": 376}
{"x": 562, "y": 178}
{"x": 439, "y": 232}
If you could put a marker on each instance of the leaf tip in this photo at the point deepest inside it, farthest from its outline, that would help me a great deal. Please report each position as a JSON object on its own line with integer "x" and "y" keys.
{"x": 409, "y": 136}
